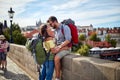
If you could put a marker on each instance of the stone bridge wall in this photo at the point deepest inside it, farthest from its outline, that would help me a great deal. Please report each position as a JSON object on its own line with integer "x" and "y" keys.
{"x": 73, "y": 67}
{"x": 22, "y": 57}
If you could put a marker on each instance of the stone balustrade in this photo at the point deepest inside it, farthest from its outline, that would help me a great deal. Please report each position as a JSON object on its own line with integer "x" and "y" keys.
{"x": 89, "y": 68}
{"x": 22, "y": 57}
{"x": 74, "y": 67}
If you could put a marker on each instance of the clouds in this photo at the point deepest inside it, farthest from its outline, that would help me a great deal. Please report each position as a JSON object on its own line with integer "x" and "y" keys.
{"x": 84, "y": 12}
{"x": 69, "y": 4}
{"x": 17, "y": 5}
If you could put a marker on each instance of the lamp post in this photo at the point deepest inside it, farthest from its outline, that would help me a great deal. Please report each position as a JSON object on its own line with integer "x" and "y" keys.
{"x": 11, "y": 14}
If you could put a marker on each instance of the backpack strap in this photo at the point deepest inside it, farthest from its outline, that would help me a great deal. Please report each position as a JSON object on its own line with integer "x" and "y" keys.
{"x": 47, "y": 55}
{"x": 35, "y": 41}
{"x": 62, "y": 30}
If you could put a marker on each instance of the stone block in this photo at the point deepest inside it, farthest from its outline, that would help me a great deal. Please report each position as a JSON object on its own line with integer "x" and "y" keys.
{"x": 118, "y": 73}
{"x": 108, "y": 69}
{"x": 98, "y": 72}
{"x": 66, "y": 74}
{"x": 67, "y": 61}
{"x": 75, "y": 76}
{"x": 83, "y": 68}
{"x": 109, "y": 73}
{"x": 94, "y": 69}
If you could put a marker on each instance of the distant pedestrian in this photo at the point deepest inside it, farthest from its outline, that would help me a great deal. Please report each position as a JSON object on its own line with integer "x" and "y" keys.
{"x": 3, "y": 52}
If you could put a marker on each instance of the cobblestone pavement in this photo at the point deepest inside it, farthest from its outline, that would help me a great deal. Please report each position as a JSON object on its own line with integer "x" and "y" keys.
{"x": 13, "y": 72}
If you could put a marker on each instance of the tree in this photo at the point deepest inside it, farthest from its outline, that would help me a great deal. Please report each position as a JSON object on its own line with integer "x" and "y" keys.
{"x": 98, "y": 39}
{"x": 19, "y": 38}
{"x": 94, "y": 37}
{"x": 113, "y": 42}
{"x": 6, "y": 32}
{"x": 108, "y": 38}
{"x": 16, "y": 27}
{"x": 81, "y": 37}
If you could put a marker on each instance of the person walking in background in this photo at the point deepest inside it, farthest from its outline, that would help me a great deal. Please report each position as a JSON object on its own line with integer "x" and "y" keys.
{"x": 62, "y": 40}
{"x": 3, "y": 52}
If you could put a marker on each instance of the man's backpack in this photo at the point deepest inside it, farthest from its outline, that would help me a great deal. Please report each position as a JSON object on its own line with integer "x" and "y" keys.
{"x": 73, "y": 28}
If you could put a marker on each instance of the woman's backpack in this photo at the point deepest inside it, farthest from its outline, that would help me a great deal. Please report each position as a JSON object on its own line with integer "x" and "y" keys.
{"x": 35, "y": 45}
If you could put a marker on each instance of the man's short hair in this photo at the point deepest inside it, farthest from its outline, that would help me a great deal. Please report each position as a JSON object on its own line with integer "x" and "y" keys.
{"x": 52, "y": 18}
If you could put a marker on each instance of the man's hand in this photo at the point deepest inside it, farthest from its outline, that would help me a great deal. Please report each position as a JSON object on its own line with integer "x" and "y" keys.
{"x": 55, "y": 50}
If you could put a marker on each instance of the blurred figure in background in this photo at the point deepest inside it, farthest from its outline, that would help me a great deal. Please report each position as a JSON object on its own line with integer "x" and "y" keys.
{"x": 3, "y": 52}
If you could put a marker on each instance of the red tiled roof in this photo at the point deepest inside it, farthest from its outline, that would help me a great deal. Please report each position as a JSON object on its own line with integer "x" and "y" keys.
{"x": 99, "y": 44}
{"x": 30, "y": 34}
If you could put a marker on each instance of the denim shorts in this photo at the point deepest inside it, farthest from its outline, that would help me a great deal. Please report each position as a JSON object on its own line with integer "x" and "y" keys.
{"x": 3, "y": 56}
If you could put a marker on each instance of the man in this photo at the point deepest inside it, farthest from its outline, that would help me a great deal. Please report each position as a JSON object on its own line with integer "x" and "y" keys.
{"x": 63, "y": 38}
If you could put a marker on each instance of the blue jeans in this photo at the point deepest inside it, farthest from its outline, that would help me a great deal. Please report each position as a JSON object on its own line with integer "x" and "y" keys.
{"x": 46, "y": 70}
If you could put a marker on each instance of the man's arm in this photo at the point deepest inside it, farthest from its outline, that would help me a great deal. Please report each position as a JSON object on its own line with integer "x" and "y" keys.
{"x": 67, "y": 35}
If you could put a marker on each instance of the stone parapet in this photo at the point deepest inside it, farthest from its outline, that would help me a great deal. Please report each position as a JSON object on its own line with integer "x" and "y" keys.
{"x": 22, "y": 57}
{"x": 88, "y": 68}
{"x": 74, "y": 67}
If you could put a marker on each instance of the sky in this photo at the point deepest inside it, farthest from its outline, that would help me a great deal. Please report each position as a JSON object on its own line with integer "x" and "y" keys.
{"x": 99, "y": 13}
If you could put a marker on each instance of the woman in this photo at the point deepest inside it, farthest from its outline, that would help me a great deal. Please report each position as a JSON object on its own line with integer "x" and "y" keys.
{"x": 47, "y": 68}
{"x": 3, "y": 52}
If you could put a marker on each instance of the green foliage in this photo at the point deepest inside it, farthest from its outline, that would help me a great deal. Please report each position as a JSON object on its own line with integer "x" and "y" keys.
{"x": 18, "y": 38}
{"x": 16, "y": 27}
{"x": 113, "y": 42}
{"x": 88, "y": 46}
{"x": 75, "y": 48}
{"x": 6, "y": 33}
{"x": 83, "y": 50}
{"x": 108, "y": 38}
{"x": 98, "y": 39}
{"x": 81, "y": 37}
{"x": 94, "y": 37}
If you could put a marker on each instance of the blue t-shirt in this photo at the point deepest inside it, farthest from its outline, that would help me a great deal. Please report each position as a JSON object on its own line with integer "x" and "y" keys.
{"x": 60, "y": 35}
